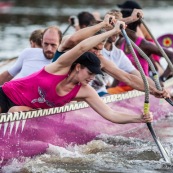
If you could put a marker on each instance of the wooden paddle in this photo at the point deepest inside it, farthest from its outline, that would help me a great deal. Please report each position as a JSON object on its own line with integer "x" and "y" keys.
{"x": 146, "y": 103}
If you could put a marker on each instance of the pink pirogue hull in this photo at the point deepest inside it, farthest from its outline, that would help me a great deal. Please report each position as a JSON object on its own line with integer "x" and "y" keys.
{"x": 73, "y": 127}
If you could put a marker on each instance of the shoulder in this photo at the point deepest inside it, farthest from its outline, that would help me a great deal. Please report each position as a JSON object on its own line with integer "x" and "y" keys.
{"x": 31, "y": 50}
{"x": 86, "y": 91}
{"x": 146, "y": 44}
{"x": 64, "y": 43}
{"x": 31, "y": 53}
{"x": 117, "y": 52}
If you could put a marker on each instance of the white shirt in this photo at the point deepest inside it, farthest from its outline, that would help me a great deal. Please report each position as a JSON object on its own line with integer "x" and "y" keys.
{"x": 118, "y": 57}
{"x": 29, "y": 61}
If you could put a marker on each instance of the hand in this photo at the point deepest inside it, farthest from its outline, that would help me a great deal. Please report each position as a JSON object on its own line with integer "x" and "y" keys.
{"x": 73, "y": 20}
{"x": 108, "y": 21}
{"x": 166, "y": 94}
{"x": 118, "y": 25}
{"x": 160, "y": 94}
{"x": 137, "y": 14}
{"x": 147, "y": 117}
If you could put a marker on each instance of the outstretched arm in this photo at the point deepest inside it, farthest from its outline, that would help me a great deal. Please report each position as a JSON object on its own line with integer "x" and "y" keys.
{"x": 92, "y": 98}
{"x": 64, "y": 62}
{"x": 151, "y": 83}
{"x": 135, "y": 81}
{"x": 134, "y": 16}
{"x": 70, "y": 41}
{"x": 150, "y": 48}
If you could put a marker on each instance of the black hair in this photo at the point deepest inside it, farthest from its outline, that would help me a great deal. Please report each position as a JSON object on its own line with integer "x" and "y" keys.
{"x": 85, "y": 18}
{"x": 74, "y": 65}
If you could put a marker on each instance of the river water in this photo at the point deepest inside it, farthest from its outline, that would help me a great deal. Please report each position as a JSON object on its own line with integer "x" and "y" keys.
{"x": 133, "y": 153}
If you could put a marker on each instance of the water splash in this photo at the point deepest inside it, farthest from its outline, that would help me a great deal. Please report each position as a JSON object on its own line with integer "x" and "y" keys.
{"x": 105, "y": 154}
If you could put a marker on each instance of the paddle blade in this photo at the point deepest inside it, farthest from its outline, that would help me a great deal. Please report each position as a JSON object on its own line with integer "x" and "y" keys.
{"x": 159, "y": 145}
{"x": 166, "y": 40}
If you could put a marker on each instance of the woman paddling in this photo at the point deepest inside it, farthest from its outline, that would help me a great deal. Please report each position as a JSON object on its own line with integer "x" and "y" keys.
{"x": 65, "y": 80}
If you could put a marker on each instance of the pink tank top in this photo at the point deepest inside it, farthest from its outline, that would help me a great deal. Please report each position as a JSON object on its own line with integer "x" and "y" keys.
{"x": 142, "y": 61}
{"x": 155, "y": 57}
{"x": 38, "y": 90}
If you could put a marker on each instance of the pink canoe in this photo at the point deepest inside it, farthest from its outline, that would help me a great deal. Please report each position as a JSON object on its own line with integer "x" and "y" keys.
{"x": 30, "y": 133}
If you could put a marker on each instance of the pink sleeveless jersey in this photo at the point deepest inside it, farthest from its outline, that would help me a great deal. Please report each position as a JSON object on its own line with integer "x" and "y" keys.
{"x": 142, "y": 61}
{"x": 38, "y": 90}
{"x": 155, "y": 57}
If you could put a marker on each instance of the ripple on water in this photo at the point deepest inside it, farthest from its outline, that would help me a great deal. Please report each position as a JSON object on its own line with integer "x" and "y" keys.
{"x": 105, "y": 154}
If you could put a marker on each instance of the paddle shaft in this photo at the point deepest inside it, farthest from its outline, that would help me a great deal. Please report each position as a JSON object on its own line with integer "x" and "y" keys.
{"x": 159, "y": 145}
{"x": 158, "y": 45}
{"x": 155, "y": 75}
{"x": 66, "y": 29}
{"x": 72, "y": 22}
{"x": 146, "y": 104}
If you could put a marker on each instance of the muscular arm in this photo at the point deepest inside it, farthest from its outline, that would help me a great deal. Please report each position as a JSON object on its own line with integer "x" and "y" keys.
{"x": 92, "y": 98}
{"x": 150, "y": 81}
{"x": 133, "y": 80}
{"x": 69, "y": 42}
{"x": 130, "y": 79}
{"x": 152, "y": 85}
{"x": 150, "y": 48}
{"x": 64, "y": 62}
{"x": 134, "y": 16}
{"x": 5, "y": 77}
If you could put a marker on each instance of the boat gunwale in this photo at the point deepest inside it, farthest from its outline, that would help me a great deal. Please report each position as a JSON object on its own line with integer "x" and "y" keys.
{"x": 17, "y": 116}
